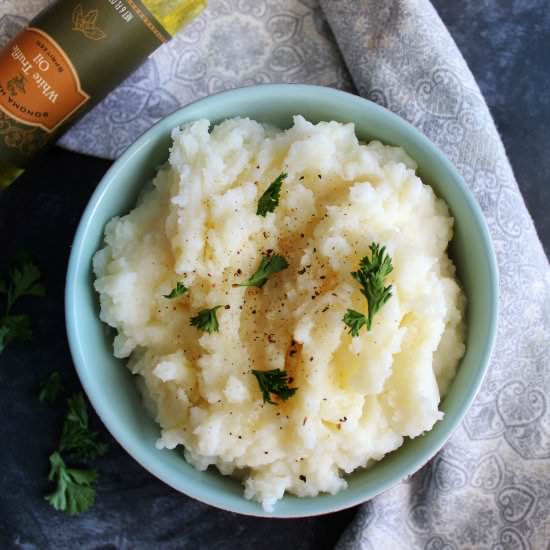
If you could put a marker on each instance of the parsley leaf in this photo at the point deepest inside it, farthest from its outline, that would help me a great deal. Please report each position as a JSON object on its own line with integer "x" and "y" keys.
{"x": 51, "y": 388}
{"x": 274, "y": 382}
{"x": 270, "y": 199}
{"x": 25, "y": 281}
{"x": 355, "y": 321}
{"x": 74, "y": 492}
{"x": 77, "y": 437}
{"x": 179, "y": 290}
{"x": 371, "y": 276}
{"x": 268, "y": 266}
{"x": 14, "y": 327}
{"x": 206, "y": 320}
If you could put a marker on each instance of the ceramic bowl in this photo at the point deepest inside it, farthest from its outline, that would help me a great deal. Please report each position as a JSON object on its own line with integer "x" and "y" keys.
{"x": 112, "y": 389}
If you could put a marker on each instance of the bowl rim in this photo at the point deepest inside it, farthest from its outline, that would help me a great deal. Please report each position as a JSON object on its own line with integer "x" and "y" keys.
{"x": 75, "y": 262}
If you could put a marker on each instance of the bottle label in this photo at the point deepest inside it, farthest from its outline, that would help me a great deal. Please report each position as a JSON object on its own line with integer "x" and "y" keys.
{"x": 72, "y": 54}
{"x": 39, "y": 85}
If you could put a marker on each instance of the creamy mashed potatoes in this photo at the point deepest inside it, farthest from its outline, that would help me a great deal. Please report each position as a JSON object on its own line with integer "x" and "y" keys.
{"x": 358, "y": 397}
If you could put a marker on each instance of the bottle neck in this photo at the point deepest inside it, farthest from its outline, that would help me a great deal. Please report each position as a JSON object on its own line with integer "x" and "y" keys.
{"x": 174, "y": 14}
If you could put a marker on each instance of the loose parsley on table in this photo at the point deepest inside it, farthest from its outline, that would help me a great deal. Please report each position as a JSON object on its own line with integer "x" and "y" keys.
{"x": 274, "y": 382}
{"x": 77, "y": 437}
{"x": 371, "y": 274}
{"x": 74, "y": 491}
{"x": 179, "y": 290}
{"x": 270, "y": 198}
{"x": 206, "y": 320}
{"x": 51, "y": 388}
{"x": 268, "y": 266}
{"x": 24, "y": 281}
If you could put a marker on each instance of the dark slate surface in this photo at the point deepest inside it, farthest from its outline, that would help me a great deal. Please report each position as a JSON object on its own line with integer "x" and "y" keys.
{"x": 506, "y": 44}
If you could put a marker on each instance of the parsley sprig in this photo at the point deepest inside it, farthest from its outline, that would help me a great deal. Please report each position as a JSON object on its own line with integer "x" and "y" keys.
{"x": 268, "y": 266}
{"x": 270, "y": 198}
{"x": 51, "y": 389}
{"x": 77, "y": 437}
{"x": 371, "y": 274}
{"x": 355, "y": 321}
{"x": 74, "y": 490}
{"x": 206, "y": 320}
{"x": 24, "y": 281}
{"x": 274, "y": 382}
{"x": 179, "y": 290}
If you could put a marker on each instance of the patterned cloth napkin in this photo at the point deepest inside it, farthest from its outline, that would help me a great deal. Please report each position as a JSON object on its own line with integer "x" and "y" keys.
{"x": 490, "y": 485}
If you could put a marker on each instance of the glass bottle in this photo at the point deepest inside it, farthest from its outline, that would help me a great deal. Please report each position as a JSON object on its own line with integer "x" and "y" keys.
{"x": 68, "y": 59}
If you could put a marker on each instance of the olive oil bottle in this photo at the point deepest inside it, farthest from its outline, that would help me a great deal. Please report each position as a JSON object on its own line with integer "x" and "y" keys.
{"x": 69, "y": 58}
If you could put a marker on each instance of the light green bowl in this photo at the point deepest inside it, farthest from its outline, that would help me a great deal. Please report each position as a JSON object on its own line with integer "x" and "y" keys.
{"x": 111, "y": 388}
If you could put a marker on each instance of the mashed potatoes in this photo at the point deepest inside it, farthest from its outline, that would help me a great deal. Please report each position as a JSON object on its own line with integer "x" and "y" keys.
{"x": 357, "y": 397}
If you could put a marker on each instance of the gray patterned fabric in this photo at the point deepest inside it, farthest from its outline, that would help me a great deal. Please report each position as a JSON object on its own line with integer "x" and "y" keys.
{"x": 234, "y": 43}
{"x": 490, "y": 486}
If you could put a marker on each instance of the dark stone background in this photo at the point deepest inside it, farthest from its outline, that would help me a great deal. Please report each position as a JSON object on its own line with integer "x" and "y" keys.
{"x": 507, "y": 47}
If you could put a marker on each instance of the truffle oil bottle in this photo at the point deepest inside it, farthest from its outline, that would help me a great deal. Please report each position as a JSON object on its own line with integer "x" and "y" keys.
{"x": 68, "y": 59}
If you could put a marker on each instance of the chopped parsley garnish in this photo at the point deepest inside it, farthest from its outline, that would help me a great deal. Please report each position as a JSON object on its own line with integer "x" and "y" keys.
{"x": 268, "y": 266}
{"x": 51, "y": 388}
{"x": 371, "y": 274}
{"x": 274, "y": 382}
{"x": 77, "y": 438}
{"x": 74, "y": 492}
{"x": 206, "y": 320}
{"x": 179, "y": 290}
{"x": 355, "y": 321}
{"x": 25, "y": 281}
{"x": 270, "y": 199}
